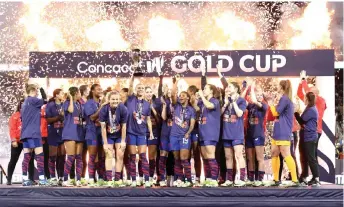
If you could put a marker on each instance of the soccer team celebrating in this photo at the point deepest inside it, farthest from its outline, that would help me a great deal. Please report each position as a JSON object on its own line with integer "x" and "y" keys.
{"x": 137, "y": 129}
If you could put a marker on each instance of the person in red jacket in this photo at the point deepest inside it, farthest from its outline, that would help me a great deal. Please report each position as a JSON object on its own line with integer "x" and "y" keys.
{"x": 16, "y": 145}
{"x": 44, "y": 132}
{"x": 320, "y": 102}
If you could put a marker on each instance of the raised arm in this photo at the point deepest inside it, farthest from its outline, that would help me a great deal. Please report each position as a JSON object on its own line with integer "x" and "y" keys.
{"x": 131, "y": 84}
{"x": 253, "y": 96}
{"x": 160, "y": 92}
{"x": 206, "y": 103}
{"x": 164, "y": 108}
{"x": 174, "y": 91}
{"x": 203, "y": 78}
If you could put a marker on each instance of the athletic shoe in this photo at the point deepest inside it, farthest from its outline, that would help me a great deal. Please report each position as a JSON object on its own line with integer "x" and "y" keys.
{"x": 197, "y": 184}
{"x": 258, "y": 183}
{"x": 213, "y": 184}
{"x": 151, "y": 180}
{"x": 78, "y": 183}
{"x": 67, "y": 183}
{"x": 291, "y": 184}
{"x": 119, "y": 184}
{"x": 314, "y": 183}
{"x": 147, "y": 184}
{"x": 227, "y": 184}
{"x": 91, "y": 183}
{"x": 249, "y": 183}
{"x": 162, "y": 183}
{"x": 133, "y": 184}
{"x": 128, "y": 182}
{"x": 43, "y": 182}
{"x": 83, "y": 182}
{"x": 140, "y": 181}
{"x": 59, "y": 182}
{"x": 274, "y": 183}
{"x": 206, "y": 182}
{"x": 28, "y": 183}
{"x": 101, "y": 183}
{"x": 178, "y": 183}
{"x": 53, "y": 182}
{"x": 110, "y": 184}
{"x": 239, "y": 183}
{"x": 73, "y": 181}
{"x": 187, "y": 184}
{"x": 8, "y": 183}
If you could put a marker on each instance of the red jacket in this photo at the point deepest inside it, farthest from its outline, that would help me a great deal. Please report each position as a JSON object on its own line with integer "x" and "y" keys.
{"x": 320, "y": 103}
{"x": 15, "y": 127}
{"x": 44, "y": 123}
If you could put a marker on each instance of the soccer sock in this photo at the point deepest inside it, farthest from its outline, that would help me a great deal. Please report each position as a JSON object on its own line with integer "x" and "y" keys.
{"x": 206, "y": 168}
{"x": 251, "y": 175}
{"x": 292, "y": 167}
{"x": 152, "y": 165}
{"x": 145, "y": 166}
{"x": 91, "y": 166}
{"x": 162, "y": 167}
{"x": 101, "y": 168}
{"x": 213, "y": 168}
{"x": 61, "y": 164}
{"x": 139, "y": 165}
{"x": 117, "y": 176}
{"x": 25, "y": 164}
{"x": 275, "y": 164}
{"x": 187, "y": 169}
{"x": 52, "y": 166}
{"x": 78, "y": 165}
{"x": 230, "y": 175}
{"x": 108, "y": 175}
{"x": 261, "y": 175}
{"x": 68, "y": 166}
{"x": 40, "y": 165}
{"x": 132, "y": 169}
{"x": 178, "y": 172}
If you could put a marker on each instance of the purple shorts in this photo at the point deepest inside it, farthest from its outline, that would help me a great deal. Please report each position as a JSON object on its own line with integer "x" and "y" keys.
{"x": 95, "y": 142}
{"x": 254, "y": 142}
{"x": 207, "y": 143}
{"x": 114, "y": 140}
{"x": 154, "y": 141}
{"x": 136, "y": 140}
{"x": 32, "y": 143}
{"x": 164, "y": 144}
{"x": 178, "y": 143}
{"x": 194, "y": 137}
{"x": 232, "y": 143}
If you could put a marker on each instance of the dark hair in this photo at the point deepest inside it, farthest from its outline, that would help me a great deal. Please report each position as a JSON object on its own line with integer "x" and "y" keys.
{"x": 148, "y": 87}
{"x": 125, "y": 90}
{"x": 55, "y": 93}
{"x": 90, "y": 95}
{"x": 236, "y": 85}
{"x": 73, "y": 91}
{"x": 188, "y": 95}
{"x": 82, "y": 89}
{"x": 216, "y": 93}
{"x": 310, "y": 99}
{"x": 20, "y": 103}
{"x": 286, "y": 87}
{"x": 193, "y": 89}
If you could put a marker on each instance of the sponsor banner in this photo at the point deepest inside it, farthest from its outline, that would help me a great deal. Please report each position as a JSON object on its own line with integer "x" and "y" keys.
{"x": 187, "y": 63}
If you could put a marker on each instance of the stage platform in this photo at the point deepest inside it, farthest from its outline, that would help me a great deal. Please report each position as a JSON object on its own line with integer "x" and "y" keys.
{"x": 326, "y": 195}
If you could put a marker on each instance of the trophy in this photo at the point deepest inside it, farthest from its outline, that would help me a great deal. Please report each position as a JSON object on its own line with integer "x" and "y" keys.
{"x": 135, "y": 56}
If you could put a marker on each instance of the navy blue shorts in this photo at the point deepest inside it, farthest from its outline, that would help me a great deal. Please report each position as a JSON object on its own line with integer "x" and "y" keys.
{"x": 136, "y": 140}
{"x": 54, "y": 141}
{"x": 164, "y": 144}
{"x": 114, "y": 140}
{"x": 232, "y": 143}
{"x": 154, "y": 141}
{"x": 32, "y": 143}
{"x": 179, "y": 143}
{"x": 258, "y": 141}
{"x": 194, "y": 137}
{"x": 207, "y": 143}
{"x": 95, "y": 142}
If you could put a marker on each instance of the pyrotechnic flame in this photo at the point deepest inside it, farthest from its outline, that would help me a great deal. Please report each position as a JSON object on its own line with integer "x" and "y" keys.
{"x": 108, "y": 35}
{"x": 312, "y": 28}
{"x": 239, "y": 34}
{"x": 164, "y": 34}
{"x": 47, "y": 37}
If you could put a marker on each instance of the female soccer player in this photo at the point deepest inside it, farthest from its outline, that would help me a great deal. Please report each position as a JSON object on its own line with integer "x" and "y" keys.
{"x": 255, "y": 138}
{"x": 93, "y": 135}
{"x": 209, "y": 131}
{"x": 54, "y": 115}
{"x": 280, "y": 143}
{"x": 308, "y": 121}
{"x": 113, "y": 118}
{"x": 72, "y": 135}
{"x": 139, "y": 112}
{"x": 167, "y": 122}
{"x": 84, "y": 91}
{"x": 31, "y": 133}
{"x": 15, "y": 125}
{"x": 233, "y": 132}
{"x": 180, "y": 142}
